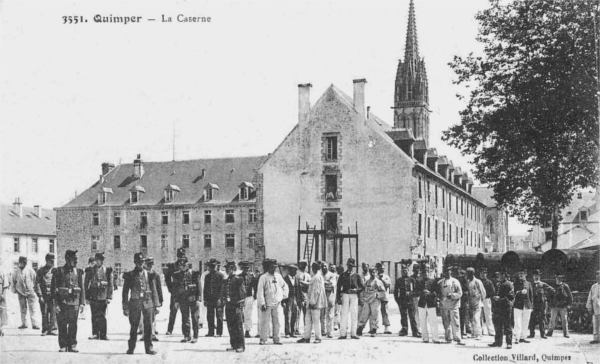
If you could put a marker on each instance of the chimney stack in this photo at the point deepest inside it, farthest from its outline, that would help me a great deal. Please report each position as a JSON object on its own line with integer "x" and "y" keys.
{"x": 359, "y": 96}
{"x": 107, "y": 167}
{"x": 18, "y": 207}
{"x": 303, "y": 102}
{"x": 138, "y": 167}
{"x": 38, "y": 210}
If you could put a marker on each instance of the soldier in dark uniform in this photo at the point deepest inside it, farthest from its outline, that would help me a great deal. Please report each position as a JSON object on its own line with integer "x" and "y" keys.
{"x": 403, "y": 294}
{"x": 465, "y": 326}
{"x": 98, "y": 291}
{"x": 171, "y": 269}
{"x": 291, "y": 304}
{"x": 87, "y": 270}
{"x": 143, "y": 300}
{"x": 234, "y": 297}
{"x": 538, "y": 315}
{"x": 248, "y": 286}
{"x": 68, "y": 294}
{"x": 42, "y": 289}
{"x": 213, "y": 293}
{"x": 186, "y": 287}
{"x": 155, "y": 277}
{"x": 502, "y": 308}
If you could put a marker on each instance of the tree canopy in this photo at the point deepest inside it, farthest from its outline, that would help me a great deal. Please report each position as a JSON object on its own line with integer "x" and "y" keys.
{"x": 531, "y": 120}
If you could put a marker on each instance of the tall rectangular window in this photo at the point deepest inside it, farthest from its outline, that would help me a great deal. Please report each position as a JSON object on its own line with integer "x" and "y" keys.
{"x": 207, "y": 241}
{"x": 456, "y": 200}
{"x": 443, "y": 231}
{"x": 186, "y": 217}
{"x": 117, "y": 218}
{"x": 436, "y": 229}
{"x": 450, "y": 233}
{"x": 436, "y": 195}
{"x": 117, "y": 242}
{"x": 428, "y": 191}
{"x": 118, "y": 270}
{"x": 443, "y": 198}
{"x": 457, "y": 240}
{"x": 143, "y": 242}
{"x": 420, "y": 227}
{"x": 251, "y": 240}
{"x": 143, "y": 219}
{"x": 207, "y": 216}
{"x": 165, "y": 217}
{"x": 332, "y": 148}
{"x": 229, "y": 216}
{"x": 420, "y": 189}
{"x": 583, "y": 215}
{"x": 449, "y": 201}
{"x": 428, "y": 227}
{"x": 95, "y": 242}
{"x": 34, "y": 245}
{"x": 331, "y": 187}
{"x": 252, "y": 216}
{"x": 51, "y": 246}
{"x": 229, "y": 240}
{"x": 95, "y": 219}
{"x": 461, "y": 206}
{"x": 164, "y": 241}
{"x": 185, "y": 241}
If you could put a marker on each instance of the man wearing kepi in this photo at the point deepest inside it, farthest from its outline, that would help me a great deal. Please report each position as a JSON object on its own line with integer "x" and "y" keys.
{"x": 42, "y": 288}
{"x": 502, "y": 308}
{"x": 450, "y": 293}
{"x": 523, "y": 306}
{"x": 99, "y": 290}
{"x": 349, "y": 285}
{"x": 171, "y": 269}
{"x": 559, "y": 305}
{"x": 68, "y": 293}
{"x": 142, "y": 301}
{"x": 213, "y": 293}
{"x": 272, "y": 289}
{"x": 403, "y": 295}
{"x": 234, "y": 297}
{"x": 476, "y": 296}
{"x": 186, "y": 285}
{"x": 427, "y": 292}
{"x": 24, "y": 279}
{"x": 538, "y": 316}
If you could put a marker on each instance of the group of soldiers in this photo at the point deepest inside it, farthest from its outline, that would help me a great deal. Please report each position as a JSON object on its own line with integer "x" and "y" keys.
{"x": 322, "y": 296}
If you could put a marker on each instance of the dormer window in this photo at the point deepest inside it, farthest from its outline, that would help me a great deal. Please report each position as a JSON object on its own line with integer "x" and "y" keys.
{"x": 170, "y": 193}
{"x": 135, "y": 194}
{"x": 103, "y": 195}
{"x": 583, "y": 215}
{"x": 210, "y": 191}
{"x": 246, "y": 189}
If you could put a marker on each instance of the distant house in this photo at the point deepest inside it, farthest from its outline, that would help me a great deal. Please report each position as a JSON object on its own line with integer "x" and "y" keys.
{"x": 26, "y": 231}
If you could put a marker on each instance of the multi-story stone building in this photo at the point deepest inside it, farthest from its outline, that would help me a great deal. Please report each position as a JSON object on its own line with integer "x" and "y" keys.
{"x": 28, "y": 232}
{"x": 207, "y": 206}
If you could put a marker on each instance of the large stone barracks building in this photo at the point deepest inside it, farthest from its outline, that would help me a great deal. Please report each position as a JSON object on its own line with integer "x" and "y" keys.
{"x": 341, "y": 170}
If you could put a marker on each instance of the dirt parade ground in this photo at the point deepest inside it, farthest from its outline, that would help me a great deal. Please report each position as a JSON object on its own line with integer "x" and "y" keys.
{"x": 27, "y": 346}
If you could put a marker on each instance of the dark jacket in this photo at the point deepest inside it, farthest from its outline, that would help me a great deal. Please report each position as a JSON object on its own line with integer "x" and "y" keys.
{"x": 490, "y": 290}
{"x": 213, "y": 286}
{"x": 350, "y": 283}
{"x": 540, "y": 293}
{"x": 562, "y": 296}
{"x": 248, "y": 279}
{"x": 506, "y": 293}
{"x": 99, "y": 283}
{"x": 295, "y": 291}
{"x": 43, "y": 281}
{"x": 426, "y": 300}
{"x": 186, "y": 286}
{"x": 523, "y": 301}
{"x": 67, "y": 286}
{"x": 155, "y": 277}
{"x": 171, "y": 269}
{"x": 145, "y": 295}
{"x": 404, "y": 289}
{"x": 234, "y": 290}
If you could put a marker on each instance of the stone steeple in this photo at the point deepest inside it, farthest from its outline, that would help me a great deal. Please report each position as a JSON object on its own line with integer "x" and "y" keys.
{"x": 411, "y": 95}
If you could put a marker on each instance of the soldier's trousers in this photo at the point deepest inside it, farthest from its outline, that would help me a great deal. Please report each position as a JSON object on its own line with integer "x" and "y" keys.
{"x": 503, "y": 324}
{"x": 48, "y": 317}
{"x": 188, "y": 308}
{"x": 248, "y": 304}
{"x": 451, "y": 322}
{"x": 25, "y": 302}
{"x": 172, "y": 314}
{"x": 465, "y": 320}
{"x": 235, "y": 326}
{"x": 3, "y": 311}
{"x": 538, "y": 318}
{"x": 290, "y": 315}
{"x": 136, "y": 311}
{"x": 98, "y": 308}
{"x": 384, "y": 314}
{"x": 67, "y": 325}
{"x": 407, "y": 313}
{"x": 327, "y": 314}
{"x": 212, "y": 311}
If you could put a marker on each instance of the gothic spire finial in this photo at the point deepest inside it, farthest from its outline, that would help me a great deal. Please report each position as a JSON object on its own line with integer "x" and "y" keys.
{"x": 411, "y": 50}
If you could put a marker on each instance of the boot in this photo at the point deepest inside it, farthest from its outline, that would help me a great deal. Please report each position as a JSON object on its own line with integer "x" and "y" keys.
{"x": 549, "y": 333}
{"x": 359, "y": 330}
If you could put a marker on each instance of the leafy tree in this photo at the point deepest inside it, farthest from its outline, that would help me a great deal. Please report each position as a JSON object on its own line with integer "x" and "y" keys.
{"x": 531, "y": 120}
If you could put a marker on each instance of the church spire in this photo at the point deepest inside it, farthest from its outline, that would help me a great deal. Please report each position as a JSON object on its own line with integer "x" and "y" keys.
{"x": 411, "y": 49}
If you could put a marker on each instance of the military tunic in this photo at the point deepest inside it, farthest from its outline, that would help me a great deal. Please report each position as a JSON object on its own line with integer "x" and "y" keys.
{"x": 68, "y": 293}
{"x": 403, "y": 294}
{"x": 234, "y": 296}
{"x": 502, "y": 310}
{"x": 213, "y": 292}
{"x": 142, "y": 301}
{"x": 42, "y": 289}
{"x": 99, "y": 291}
{"x": 186, "y": 287}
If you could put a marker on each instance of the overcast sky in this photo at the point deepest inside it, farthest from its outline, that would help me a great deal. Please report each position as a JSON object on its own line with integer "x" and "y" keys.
{"x": 74, "y": 96}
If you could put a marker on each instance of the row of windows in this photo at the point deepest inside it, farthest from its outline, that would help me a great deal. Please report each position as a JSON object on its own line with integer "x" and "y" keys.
{"x": 34, "y": 245}
{"x": 473, "y": 212}
{"x": 471, "y": 236}
{"x": 164, "y": 217}
{"x": 185, "y": 241}
{"x": 170, "y": 193}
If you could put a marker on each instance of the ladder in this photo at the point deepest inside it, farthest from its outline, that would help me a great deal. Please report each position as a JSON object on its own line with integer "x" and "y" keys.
{"x": 308, "y": 246}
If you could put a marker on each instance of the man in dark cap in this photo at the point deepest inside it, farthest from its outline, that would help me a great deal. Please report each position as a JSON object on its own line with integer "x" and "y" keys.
{"x": 502, "y": 308}
{"x": 234, "y": 297}
{"x": 171, "y": 269}
{"x": 248, "y": 279}
{"x": 91, "y": 263}
{"x": 142, "y": 301}
{"x": 186, "y": 287}
{"x": 403, "y": 295}
{"x": 560, "y": 304}
{"x": 24, "y": 278}
{"x": 155, "y": 277}
{"x": 426, "y": 289}
{"x": 490, "y": 291}
{"x": 213, "y": 293}
{"x": 290, "y": 308}
{"x": 98, "y": 291}
{"x": 42, "y": 289}
{"x": 523, "y": 306}
{"x": 538, "y": 316}
{"x": 68, "y": 293}
{"x": 349, "y": 286}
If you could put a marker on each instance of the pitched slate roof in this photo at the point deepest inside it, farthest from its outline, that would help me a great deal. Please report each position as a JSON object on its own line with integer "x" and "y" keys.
{"x": 29, "y": 224}
{"x": 226, "y": 173}
{"x": 586, "y": 202}
{"x": 485, "y": 195}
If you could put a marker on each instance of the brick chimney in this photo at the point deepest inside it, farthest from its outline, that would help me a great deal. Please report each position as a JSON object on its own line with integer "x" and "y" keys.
{"x": 18, "y": 207}
{"x": 359, "y": 96}
{"x": 138, "y": 167}
{"x": 303, "y": 102}
{"x": 107, "y": 167}
{"x": 38, "y": 210}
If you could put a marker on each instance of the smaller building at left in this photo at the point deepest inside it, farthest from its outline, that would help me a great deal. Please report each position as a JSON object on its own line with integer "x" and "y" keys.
{"x": 26, "y": 231}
